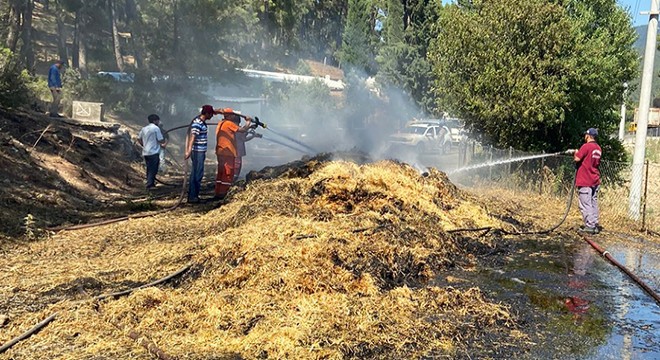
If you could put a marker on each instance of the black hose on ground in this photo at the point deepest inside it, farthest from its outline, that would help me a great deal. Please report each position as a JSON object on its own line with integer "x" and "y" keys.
{"x": 569, "y": 203}
{"x": 27, "y": 334}
{"x": 129, "y": 217}
{"x": 114, "y": 295}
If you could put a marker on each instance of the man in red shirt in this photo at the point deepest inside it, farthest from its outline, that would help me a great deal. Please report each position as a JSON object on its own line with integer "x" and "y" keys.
{"x": 226, "y": 150}
{"x": 587, "y": 181}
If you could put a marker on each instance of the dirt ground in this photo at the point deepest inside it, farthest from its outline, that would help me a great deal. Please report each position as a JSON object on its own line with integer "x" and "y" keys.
{"x": 58, "y": 171}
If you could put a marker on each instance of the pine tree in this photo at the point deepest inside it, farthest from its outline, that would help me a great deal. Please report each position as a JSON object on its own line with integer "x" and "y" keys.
{"x": 357, "y": 49}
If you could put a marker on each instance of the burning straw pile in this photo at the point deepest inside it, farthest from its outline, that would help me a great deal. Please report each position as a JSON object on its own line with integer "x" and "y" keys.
{"x": 338, "y": 263}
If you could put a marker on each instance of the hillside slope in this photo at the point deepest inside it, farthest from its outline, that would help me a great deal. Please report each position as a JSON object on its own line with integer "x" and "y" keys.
{"x": 58, "y": 170}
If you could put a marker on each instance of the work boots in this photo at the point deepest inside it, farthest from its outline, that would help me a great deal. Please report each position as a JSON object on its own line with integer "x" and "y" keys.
{"x": 590, "y": 230}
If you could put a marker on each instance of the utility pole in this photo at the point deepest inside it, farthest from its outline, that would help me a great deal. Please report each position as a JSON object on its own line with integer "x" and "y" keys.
{"x": 622, "y": 124}
{"x": 635, "y": 199}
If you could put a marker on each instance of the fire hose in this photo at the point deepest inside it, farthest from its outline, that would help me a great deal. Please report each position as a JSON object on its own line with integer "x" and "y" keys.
{"x": 256, "y": 122}
{"x": 148, "y": 345}
{"x": 569, "y": 203}
{"x": 606, "y": 254}
{"x": 8, "y": 345}
{"x": 138, "y": 216}
{"x": 600, "y": 250}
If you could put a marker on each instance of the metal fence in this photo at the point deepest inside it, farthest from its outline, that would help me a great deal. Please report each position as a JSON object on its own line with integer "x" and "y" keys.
{"x": 553, "y": 175}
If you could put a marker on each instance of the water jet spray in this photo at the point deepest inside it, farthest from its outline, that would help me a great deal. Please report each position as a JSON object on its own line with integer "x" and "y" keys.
{"x": 506, "y": 161}
{"x": 294, "y": 140}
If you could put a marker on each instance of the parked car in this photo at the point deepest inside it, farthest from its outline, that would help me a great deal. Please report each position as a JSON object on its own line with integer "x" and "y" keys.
{"x": 117, "y": 76}
{"x": 424, "y": 136}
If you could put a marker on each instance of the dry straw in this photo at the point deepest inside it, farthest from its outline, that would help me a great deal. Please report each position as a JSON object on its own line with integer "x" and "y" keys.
{"x": 333, "y": 261}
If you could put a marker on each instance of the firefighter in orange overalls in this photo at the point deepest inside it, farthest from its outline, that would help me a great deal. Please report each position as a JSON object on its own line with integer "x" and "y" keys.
{"x": 225, "y": 150}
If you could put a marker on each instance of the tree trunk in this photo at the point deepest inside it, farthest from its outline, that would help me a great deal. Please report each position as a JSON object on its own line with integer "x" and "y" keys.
{"x": 82, "y": 54}
{"x": 61, "y": 35}
{"x": 135, "y": 25}
{"x": 76, "y": 41}
{"x": 82, "y": 44}
{"x": 14, "y": 25}
{"x": 26, "y": 50}
{"x": 265, "y": 37}
{"x": 175, "y": 40}
{"x": 116, "y": 45}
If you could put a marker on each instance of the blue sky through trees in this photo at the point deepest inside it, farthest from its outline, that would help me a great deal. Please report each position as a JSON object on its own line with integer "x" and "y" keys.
{"x": 633, "y": 7}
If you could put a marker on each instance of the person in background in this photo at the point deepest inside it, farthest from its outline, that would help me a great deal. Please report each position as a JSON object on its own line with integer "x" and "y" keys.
{"x": 196, "y": 145}
{"x": 444, "y": 135}
{"x": 241, "y": 139}
{"x": 162, "y": 167}
{"x": 226, "y": 151}
{"x": 55, "y": 86}
{"x": 587, "y": 181}
{"x": 151, "y": 139}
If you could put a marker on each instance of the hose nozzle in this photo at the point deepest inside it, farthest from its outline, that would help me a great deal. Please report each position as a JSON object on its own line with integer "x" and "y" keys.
{"x": 257, "y": 123}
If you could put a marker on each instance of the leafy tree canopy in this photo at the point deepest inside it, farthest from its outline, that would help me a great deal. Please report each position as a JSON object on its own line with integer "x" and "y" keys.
{"x": 533, "y": 74}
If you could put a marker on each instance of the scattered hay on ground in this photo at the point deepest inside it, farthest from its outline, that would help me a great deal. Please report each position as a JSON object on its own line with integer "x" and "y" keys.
{"x": 337, "y": 262}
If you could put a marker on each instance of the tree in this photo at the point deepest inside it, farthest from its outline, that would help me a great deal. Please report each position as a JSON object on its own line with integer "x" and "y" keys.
{"x": 357, "y": 49}
{"x": 26, "y": 30}
{"x": 116, "y": 46}
{"x": 62, "y": 52}
{"x": 321, "y": 29}
{"x": 134, "y": 23}
{"x": 533, "y": 74}
{"x": 14, "y": 24}
{"x": 402, "y": 59}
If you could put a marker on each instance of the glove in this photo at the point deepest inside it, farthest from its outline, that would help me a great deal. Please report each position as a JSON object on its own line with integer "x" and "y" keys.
{"x": 570, "y": 151}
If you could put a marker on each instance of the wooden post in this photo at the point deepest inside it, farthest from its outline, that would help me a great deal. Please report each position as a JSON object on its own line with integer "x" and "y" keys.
{"x": 541, "y": 176}
{"x": 646, "y": 187}
{"x": 490, "y": 168}
{"x": 465, "y": 157}
{"x": 460, "y": 157}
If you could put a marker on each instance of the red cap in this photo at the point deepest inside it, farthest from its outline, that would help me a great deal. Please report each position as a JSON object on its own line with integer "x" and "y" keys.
{"x": 228, "y": 111}
{"x": 207, "y": 109}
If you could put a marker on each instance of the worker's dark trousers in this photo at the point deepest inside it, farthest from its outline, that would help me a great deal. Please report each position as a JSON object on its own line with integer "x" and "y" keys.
{"x": 196, "y": 174}
{"x": 152, "y": 162}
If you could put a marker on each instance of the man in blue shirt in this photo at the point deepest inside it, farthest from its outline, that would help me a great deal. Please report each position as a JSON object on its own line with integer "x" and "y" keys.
{"x": 196, "y": 145}
{"x": 55, "y": 86}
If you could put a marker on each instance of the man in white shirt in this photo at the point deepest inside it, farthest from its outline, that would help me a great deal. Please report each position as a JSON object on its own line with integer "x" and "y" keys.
{"x": 151, "y": 139}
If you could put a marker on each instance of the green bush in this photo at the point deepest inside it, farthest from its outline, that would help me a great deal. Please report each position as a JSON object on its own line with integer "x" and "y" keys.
{"x": 653, "y": 151}
{"x": 14, "y": 82}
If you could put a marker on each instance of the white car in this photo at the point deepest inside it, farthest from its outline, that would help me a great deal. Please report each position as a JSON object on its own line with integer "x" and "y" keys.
{"x": 424, "y": 137}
